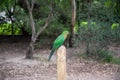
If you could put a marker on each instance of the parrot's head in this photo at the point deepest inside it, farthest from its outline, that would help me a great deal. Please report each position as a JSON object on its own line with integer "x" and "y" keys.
{"x": 65, "y": 33}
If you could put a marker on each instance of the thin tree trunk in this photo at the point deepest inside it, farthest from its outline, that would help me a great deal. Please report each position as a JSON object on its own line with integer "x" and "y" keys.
{"x": 88, "y": 40}
{"x": 72, "y": 36}
{"x": 30, "y": 51}
{"x": 12, "y": 27}
{"x": 78, "y": 12}
{"x": 11, "y": 11}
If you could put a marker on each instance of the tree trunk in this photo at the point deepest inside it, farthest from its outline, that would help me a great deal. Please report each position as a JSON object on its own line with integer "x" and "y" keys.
{"x": 72, "y": 36}
{"x": 24, "y": 32}
{"x": 88, "y": 35}
{"x": 30, "y": 51}
{"x": 78, "y": 12}
{"x": 11, "y": 11}
{"x": 12, "y": 27}
{"x": 10, "y": 14}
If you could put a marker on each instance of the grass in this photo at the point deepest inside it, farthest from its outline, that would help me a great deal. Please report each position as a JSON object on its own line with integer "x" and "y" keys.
{"x": 115, "y": 60}
{"x": 102, "y": 58}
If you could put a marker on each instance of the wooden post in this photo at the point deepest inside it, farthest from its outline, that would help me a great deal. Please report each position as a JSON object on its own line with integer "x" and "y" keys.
{"x": 61, "y": 63}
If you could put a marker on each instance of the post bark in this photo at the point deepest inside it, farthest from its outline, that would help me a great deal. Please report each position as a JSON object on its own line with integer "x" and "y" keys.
{"x": 61, "y": 63}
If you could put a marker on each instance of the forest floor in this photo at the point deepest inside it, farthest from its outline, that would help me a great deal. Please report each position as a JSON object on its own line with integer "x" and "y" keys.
{"x": 14, "y": 66}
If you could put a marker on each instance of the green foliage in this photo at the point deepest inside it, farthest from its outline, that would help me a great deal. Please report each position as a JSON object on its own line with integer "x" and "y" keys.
{"x": 115, "y": 60}
{"x": 59, "y": 22}
{"x": 57, "y": 25}
{"x": 98, "y": 26}
{"x": 105, "y": 55}
{"x": 55, "y": 28}
{"x": 5, "y": 29}
{"x": 7, "y": 3}
{"x": 102, "y": 56}
{"x": 115, "y": 25}
{"x": 94, "y": 36}
{"x": 115, "y": 32}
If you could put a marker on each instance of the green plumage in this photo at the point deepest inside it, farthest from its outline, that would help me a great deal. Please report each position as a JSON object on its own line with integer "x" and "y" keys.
{"x": 58, "y": 42}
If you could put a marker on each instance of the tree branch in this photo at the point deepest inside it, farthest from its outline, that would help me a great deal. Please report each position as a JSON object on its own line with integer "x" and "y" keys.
{"x": 32, "y": 4}
{"x": 31, "y": 19}
{"x": 46, "y": 23}
{"x": 28, "y": 4}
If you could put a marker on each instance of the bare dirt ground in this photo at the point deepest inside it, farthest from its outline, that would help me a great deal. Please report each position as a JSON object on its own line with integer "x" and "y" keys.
{"x": 14, "y": 66}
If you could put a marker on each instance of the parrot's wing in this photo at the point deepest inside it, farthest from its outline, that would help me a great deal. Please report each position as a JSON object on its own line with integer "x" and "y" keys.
{"x": 59, "y": 41}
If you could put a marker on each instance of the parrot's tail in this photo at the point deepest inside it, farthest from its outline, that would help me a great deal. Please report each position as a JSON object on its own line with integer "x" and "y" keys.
{"x": 51, "y": 53}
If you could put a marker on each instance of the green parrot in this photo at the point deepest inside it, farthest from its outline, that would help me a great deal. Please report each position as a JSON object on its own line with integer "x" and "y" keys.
{"x": 58, "y": 42}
